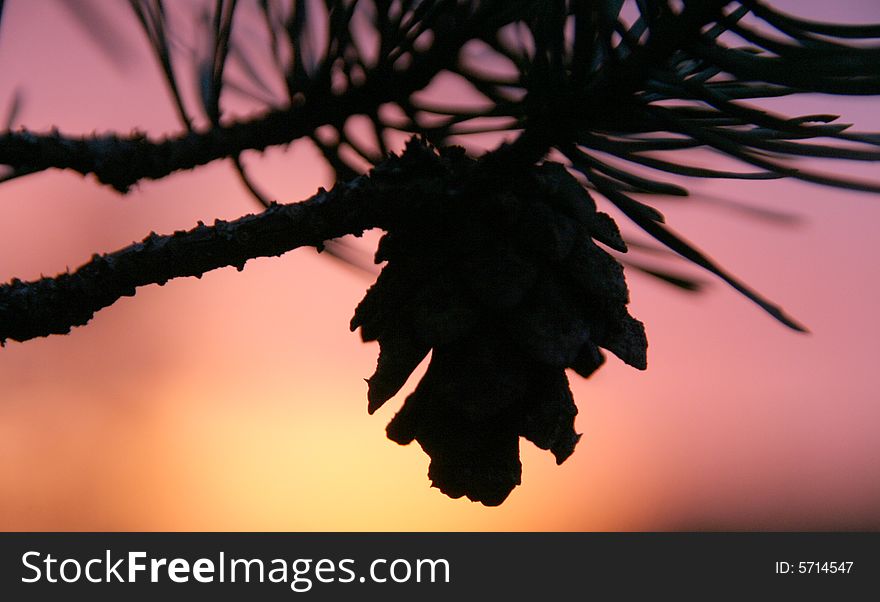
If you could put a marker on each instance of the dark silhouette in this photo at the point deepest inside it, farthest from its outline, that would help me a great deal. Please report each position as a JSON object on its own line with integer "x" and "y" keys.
{"x": 492, "y": 264}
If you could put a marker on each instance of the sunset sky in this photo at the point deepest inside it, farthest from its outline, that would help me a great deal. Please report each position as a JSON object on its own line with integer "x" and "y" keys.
{"x": 237, "y": 402}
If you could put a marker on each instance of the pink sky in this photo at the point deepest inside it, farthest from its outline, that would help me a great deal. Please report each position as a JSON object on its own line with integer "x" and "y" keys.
{"x": 237, "y": 401}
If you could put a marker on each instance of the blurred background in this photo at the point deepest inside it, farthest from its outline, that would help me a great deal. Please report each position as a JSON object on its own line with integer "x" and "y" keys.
{"x": 237, "y": 402}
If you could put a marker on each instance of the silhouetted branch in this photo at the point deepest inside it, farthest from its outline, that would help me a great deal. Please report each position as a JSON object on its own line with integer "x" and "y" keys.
{"x": 120, "y": 161}
{"x": 55, "y": 305}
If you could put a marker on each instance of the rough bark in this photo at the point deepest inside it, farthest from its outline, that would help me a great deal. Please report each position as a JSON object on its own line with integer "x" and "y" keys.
{"x": 55, "y": 305}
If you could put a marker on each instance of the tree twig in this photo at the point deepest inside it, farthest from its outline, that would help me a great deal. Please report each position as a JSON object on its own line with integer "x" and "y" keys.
{"x": 55, "y": 305}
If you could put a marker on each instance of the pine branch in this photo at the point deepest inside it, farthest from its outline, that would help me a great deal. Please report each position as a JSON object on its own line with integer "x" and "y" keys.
{"x": 55, "y": 305}
{"x": 121, "y": 161}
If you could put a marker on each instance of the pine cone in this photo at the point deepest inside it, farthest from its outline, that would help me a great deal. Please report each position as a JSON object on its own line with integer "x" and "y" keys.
{"x": 505, "y": 286}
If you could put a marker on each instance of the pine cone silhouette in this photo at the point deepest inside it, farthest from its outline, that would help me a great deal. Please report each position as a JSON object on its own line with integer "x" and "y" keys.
{"x": 504, "y": 283}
